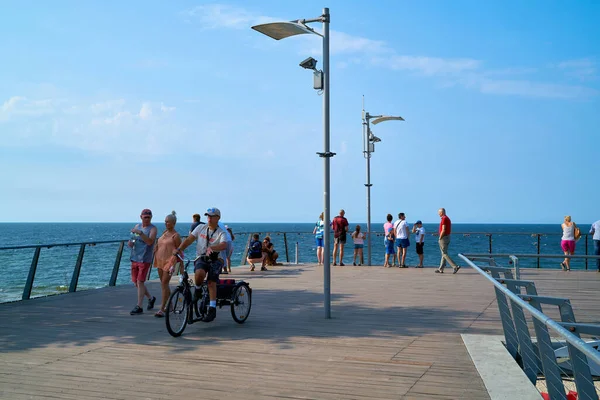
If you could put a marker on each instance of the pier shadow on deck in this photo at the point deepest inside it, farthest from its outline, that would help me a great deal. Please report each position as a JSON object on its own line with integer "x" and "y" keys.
{"x": 394, "y": 334}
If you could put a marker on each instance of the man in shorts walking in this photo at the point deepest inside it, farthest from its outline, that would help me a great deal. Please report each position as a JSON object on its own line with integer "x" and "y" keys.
{"x": 340, "y": 229}
{"x": 141, "y": 243}
{"x": 402, "y": 241}
{"x": 211, "y": 240}
{"x": 419, "y": 232}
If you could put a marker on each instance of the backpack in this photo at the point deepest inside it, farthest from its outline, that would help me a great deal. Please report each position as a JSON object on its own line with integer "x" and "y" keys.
{"x": 255, "y": 248}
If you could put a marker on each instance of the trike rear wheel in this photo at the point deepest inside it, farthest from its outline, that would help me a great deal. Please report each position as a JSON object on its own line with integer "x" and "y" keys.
{"x": 241, "y": 303}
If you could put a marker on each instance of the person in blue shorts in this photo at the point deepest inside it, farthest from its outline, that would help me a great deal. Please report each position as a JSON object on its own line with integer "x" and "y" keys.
{"x": 319, "y": 231}
{"x": 390, "y": 238}
{"x": 402, "y": 241}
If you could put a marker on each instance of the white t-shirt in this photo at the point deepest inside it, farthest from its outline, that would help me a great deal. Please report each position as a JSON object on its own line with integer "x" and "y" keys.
{"x": 222, "y": 226}
{"x": 203, "y": 232}
{"x": 596, "y": 229}
{"x": 401, "y": 228}
{"x": 420, "y": 231}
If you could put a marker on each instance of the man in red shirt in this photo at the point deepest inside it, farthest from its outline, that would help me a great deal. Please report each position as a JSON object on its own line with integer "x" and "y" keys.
{"x": 340, "y": 227}
{"x": 444, "y": 240}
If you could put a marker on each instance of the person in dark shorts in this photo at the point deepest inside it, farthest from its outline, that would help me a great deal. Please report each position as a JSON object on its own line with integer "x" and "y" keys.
{"x": 419, "y": 232}
{"x": 340, "y": 228}
{"x": 211, "y": 240}
{"x": 255, "y": 254}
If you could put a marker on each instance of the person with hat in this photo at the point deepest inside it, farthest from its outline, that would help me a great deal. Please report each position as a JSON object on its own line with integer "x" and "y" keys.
{"x": 212, "y": 239}
{"x": 141, "y": 243}
{"x": 419, "y": 232}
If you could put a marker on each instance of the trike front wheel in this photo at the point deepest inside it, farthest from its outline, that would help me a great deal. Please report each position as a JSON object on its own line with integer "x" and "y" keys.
{"x": 176, "y": 316}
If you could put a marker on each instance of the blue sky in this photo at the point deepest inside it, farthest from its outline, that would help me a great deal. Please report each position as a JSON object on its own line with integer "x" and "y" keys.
{"x": 108, "y": 107}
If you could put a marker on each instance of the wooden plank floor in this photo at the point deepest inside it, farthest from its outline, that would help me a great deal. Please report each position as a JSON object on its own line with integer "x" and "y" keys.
{"x": 395, "y": 334}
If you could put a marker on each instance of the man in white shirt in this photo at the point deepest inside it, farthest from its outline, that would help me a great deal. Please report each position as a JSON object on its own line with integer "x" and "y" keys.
{"x": 419, "y": 232}
{"x": 402, "y": 241}
{"x": 595, "y": 230}
{"x": 211, "y": 240}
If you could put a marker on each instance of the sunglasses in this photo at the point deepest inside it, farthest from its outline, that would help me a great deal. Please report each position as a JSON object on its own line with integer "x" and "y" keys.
{"x": 146, "y": 216}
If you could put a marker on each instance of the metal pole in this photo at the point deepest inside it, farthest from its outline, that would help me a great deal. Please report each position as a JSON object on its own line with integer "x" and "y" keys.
{"x": 326, "y": 253}
{"x": 368, "y": 185}
{"x": 538, "y": 249}
{"x": 296, "y": 252}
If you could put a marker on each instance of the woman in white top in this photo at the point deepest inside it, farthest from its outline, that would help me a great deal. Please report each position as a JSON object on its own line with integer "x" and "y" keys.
{"x": 359, "y": 243}
{"x": 567, "y": 242}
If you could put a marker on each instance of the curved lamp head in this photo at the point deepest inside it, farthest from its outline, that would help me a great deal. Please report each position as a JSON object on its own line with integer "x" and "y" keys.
{"x": 282, "y": 30}
{"x": 386, "y": 118}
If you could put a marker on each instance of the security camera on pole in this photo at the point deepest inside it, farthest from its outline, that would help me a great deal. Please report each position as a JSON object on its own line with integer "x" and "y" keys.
{"x": 369, "y": 141}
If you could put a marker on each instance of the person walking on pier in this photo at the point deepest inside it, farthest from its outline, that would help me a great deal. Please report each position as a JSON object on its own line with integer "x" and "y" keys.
{"x": 595, "y": 231}
{"x": 419, "y": 232}
{"x": 340, "y": 228}
{"x": 386, "y": 242}
{"x": 567, "y": 242}
{"x": 444, "y": 241}
{"x": 163, "y": 261}
{"x": 402, "y": 241}
{"x": 211, "y": 241}
{"x": 142, "y": 251}
{"x": 319, "y": 232}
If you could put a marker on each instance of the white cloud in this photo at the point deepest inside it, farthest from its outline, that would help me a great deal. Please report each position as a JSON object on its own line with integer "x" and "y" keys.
{"x": 535, "y": 89}
{"x": 166, "y": 109}
{"x": 583, "y": 69}
{"x": 107, "y": 106}
{"x": 466, "y": 72}
{"x": 428, "y": 65}
{"x": 214, "y": 16}
{"x": 145, "y": 111}
{"x": 20, "y": 106}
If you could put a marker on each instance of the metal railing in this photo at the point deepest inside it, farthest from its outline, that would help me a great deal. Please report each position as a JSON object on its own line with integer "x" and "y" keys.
{"x": 301, "y": 239}
{"x": 537, "y": 357}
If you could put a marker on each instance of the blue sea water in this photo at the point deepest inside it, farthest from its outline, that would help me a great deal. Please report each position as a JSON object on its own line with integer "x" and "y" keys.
{"x": 56, "y": 264}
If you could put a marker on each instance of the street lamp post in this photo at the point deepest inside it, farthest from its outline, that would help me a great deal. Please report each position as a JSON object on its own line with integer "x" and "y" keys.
{"x": 369, "y": 141}
{"x": 282, "y": 30}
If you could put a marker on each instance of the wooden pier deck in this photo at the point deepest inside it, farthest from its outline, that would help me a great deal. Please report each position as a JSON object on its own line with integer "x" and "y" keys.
{"x": 395, "y": 334}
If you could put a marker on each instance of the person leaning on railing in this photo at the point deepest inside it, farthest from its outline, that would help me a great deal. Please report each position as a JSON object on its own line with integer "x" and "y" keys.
{"x": 570, "y": 233}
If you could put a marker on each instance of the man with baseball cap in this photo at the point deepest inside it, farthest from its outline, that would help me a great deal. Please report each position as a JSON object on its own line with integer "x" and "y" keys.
{"x": 211, "y": 240}
{"x": 141, "y": 243}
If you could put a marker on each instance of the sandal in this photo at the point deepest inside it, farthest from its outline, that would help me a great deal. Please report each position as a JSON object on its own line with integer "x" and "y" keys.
{"x": 159, "y": 314}
{"x": 252, "y": 268}
{"x": 263, "y": 269}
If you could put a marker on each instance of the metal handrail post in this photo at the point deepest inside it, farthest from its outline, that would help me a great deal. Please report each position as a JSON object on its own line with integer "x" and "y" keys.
{"x": 77, "y": 270}
{"x": 245, "y": 253}
{"x": 586, "y": 251}
{"x": 515, "y": 261}
{"x": 115, "y": 271}
{"x": 287, "y": 254}
{"x": 538, "y": 249}
{"x": 544, "y": 319}
{"x": 31, "y": 275}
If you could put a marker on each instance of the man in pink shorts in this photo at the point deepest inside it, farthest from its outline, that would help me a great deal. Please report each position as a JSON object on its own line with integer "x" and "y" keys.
{"x": 141, "y": 243}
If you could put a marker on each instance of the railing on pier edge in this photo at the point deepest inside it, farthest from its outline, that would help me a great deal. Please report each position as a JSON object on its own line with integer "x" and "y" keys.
{"x": 537, "y": 356}
{"x": 285, "y": 235}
